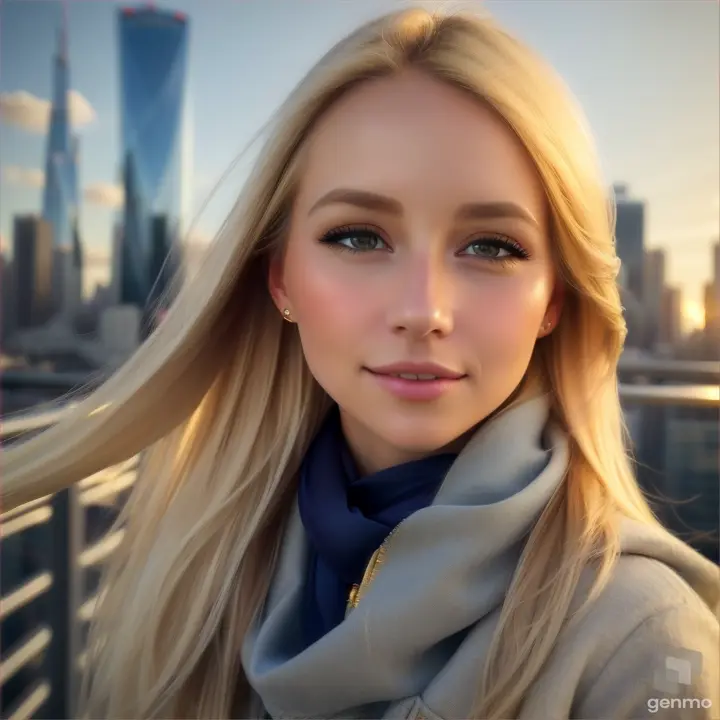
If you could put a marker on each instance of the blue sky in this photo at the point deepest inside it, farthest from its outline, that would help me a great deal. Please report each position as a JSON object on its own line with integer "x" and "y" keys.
{"x": 645, "y": 72}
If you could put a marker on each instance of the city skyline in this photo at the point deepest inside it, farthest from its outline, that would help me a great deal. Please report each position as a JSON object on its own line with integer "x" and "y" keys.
{"x": 658, "y": 137}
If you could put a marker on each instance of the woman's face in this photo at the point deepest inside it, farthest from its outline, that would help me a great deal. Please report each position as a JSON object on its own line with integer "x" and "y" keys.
{"x": 418, "y": 245}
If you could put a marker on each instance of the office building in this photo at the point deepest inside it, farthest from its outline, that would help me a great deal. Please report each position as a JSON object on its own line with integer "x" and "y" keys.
{"x": 7, "y": 298}
{"x": 671, "y": 317}
{"x": 60, "y": 194}
{"x": 653, "y": 293}
{"x": 33, "y": 271}
{"x": 153, "y": 58}
{"x": 712, "y": 297}
{"x": 630, "y": 239}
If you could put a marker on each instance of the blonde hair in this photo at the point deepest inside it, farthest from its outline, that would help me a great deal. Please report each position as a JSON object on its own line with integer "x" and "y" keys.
{"x": 221, "y": 398}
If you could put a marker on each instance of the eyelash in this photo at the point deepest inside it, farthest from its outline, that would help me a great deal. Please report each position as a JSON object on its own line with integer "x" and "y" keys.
{"x": 502, "y": 242}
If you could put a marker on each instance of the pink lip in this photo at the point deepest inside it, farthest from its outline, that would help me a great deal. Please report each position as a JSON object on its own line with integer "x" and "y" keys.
{"x": 416, "y": 389}
{"x": 425, "y": 368}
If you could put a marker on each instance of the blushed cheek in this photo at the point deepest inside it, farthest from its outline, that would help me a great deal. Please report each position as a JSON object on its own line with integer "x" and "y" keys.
{"x": 506, "y": 328}
{"x": 331, "y": 314}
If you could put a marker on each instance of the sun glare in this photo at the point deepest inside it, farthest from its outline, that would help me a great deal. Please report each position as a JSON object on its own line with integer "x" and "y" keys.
{"x": 693, "y": 315}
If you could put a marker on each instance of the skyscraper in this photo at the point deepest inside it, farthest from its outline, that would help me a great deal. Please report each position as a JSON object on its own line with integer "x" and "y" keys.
{"x": 653, "y": 293}
{"x": 153, "y": 58}
{"x": 630, "y": 239}
{"x": 33, "y": 266}
{"x": 671, "y": 325}
{"x": 8, "y": 320}
{"x": 60, "y": 196}
{"x": 712, "y": 298}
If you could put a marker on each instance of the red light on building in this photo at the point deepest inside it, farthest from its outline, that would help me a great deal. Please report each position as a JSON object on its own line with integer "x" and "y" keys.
{"x": 180, "y": 16}
{"x": 128, "y": 11}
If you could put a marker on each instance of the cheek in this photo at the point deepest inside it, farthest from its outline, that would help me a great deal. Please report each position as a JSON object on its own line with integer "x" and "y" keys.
{"x": 329, "y": 310}
{"x": 510, "y": 315}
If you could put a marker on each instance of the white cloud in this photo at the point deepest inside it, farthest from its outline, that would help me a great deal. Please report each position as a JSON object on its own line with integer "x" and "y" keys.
{"x": 82, "y": 112}
{"x": 32, "y": 113}
{"x": 105, "y": 195}
{"x": 23, "y": 177}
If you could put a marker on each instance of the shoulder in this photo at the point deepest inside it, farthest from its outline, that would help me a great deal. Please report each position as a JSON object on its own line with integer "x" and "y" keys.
{"x": 651, "y": 641}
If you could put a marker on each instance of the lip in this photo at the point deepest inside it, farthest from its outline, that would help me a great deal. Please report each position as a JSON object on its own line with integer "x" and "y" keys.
{"x": 418, "y": 390}
{"x": 440, "y": 371}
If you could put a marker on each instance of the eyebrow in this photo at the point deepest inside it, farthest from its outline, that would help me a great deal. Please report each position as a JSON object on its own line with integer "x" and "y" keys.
{"x": 381, "y": 203}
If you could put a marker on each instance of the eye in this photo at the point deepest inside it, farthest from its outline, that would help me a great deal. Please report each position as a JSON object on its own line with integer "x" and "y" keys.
{"x": 496, "y": 248}
{"x": 354, "y": 239}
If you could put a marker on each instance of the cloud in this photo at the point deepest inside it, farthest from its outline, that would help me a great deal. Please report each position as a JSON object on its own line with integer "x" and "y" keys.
{"x": 32, "y": 114}
{"x": 105, "y": 195}
{"x": 23, "y": 177}
{"x": 82, "y": 112}
{"x": 4, "y": 245}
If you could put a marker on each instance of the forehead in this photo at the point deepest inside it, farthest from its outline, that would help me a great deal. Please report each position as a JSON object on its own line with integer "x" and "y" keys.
{"x": 419, "y": 139}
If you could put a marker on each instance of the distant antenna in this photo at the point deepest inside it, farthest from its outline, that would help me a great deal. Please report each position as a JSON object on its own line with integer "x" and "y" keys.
{"x": 63, "y": 44}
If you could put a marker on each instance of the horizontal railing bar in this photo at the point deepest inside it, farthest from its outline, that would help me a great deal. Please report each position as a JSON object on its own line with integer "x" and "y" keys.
{"x": 110, "y": 473}
{"x": 697, "y": 371}
{"x": 26, "y": 521}
{"x": 28, "y": 706}
{"x": 23, "y": 509}
{"x": 697, "y": 396}
{"x": 101, "y": 550}
{"x": 25, "y": 594}
{"x": 34, "y": 420}
{"x": 87, "y": 609}
{"x": 107, "y": 490}
{"x": 678, "y": 395}
{"x": 25, "y": 653}
{"x": 705, "y": 370}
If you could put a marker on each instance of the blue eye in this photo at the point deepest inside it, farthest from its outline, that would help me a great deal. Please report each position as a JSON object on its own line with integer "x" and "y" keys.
{"x": 497, "y": 248}
{"x": 354, "y": 239}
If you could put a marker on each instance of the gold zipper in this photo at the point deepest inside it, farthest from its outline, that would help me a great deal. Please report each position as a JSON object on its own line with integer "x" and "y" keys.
{"x": 376, "y": 559}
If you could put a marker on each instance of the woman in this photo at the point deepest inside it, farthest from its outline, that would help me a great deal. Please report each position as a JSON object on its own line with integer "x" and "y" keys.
{"x": 385, "y": 473}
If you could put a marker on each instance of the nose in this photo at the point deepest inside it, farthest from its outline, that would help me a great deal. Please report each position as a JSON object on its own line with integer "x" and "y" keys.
{"x": 423, "y": 299}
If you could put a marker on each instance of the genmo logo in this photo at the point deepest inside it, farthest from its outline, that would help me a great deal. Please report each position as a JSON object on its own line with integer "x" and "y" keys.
{"x": 655, "y": 704}
{"x": 674, "y": 676}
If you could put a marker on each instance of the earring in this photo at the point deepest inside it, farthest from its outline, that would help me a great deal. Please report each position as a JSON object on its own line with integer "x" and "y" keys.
{"x": 547, "y": 325}
{"x": 286, "y": 315}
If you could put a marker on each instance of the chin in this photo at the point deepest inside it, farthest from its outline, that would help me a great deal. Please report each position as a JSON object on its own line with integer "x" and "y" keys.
{"x": 420, "y": 436}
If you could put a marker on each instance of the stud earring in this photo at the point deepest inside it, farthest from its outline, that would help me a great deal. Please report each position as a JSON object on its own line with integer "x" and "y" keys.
{"x": 286, "y": 315}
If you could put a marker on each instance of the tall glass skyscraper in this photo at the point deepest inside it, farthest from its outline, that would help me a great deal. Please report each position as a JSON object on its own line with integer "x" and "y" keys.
{"x": 153, "y": 61}
{"x": 60, "y": 196}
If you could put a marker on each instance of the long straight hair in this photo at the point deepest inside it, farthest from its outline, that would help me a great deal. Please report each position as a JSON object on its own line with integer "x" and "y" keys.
{"x": 223, "y": 405}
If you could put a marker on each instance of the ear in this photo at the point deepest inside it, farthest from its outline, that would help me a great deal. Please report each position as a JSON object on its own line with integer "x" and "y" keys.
{"x": 554, "y": 309}
{"x": 276, "y": 282}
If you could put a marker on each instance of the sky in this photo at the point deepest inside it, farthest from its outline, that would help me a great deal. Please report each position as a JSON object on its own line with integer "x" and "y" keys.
{"x": 644, "y": 71}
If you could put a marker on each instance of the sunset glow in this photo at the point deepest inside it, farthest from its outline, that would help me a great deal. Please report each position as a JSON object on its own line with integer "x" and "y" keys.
{"x": 693, "y": 315}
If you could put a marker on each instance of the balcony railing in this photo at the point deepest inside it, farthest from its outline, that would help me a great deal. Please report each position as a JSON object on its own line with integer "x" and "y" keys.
{"x": 54, "y": 549}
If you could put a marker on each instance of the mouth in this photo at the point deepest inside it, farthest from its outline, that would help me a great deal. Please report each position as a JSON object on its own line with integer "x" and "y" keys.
{"x": 418, "y": 384}
{"x": 418, "y": 372}
{"x": 423, "y": 377}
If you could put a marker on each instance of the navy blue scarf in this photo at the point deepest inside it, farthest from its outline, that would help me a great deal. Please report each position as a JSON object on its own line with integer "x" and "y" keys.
{"x": 347, "y": 517}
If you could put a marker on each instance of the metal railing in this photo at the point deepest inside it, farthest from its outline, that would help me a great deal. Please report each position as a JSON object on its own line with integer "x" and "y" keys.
{"x": 56, "y": 563}
{"x": 42, "y": 659}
